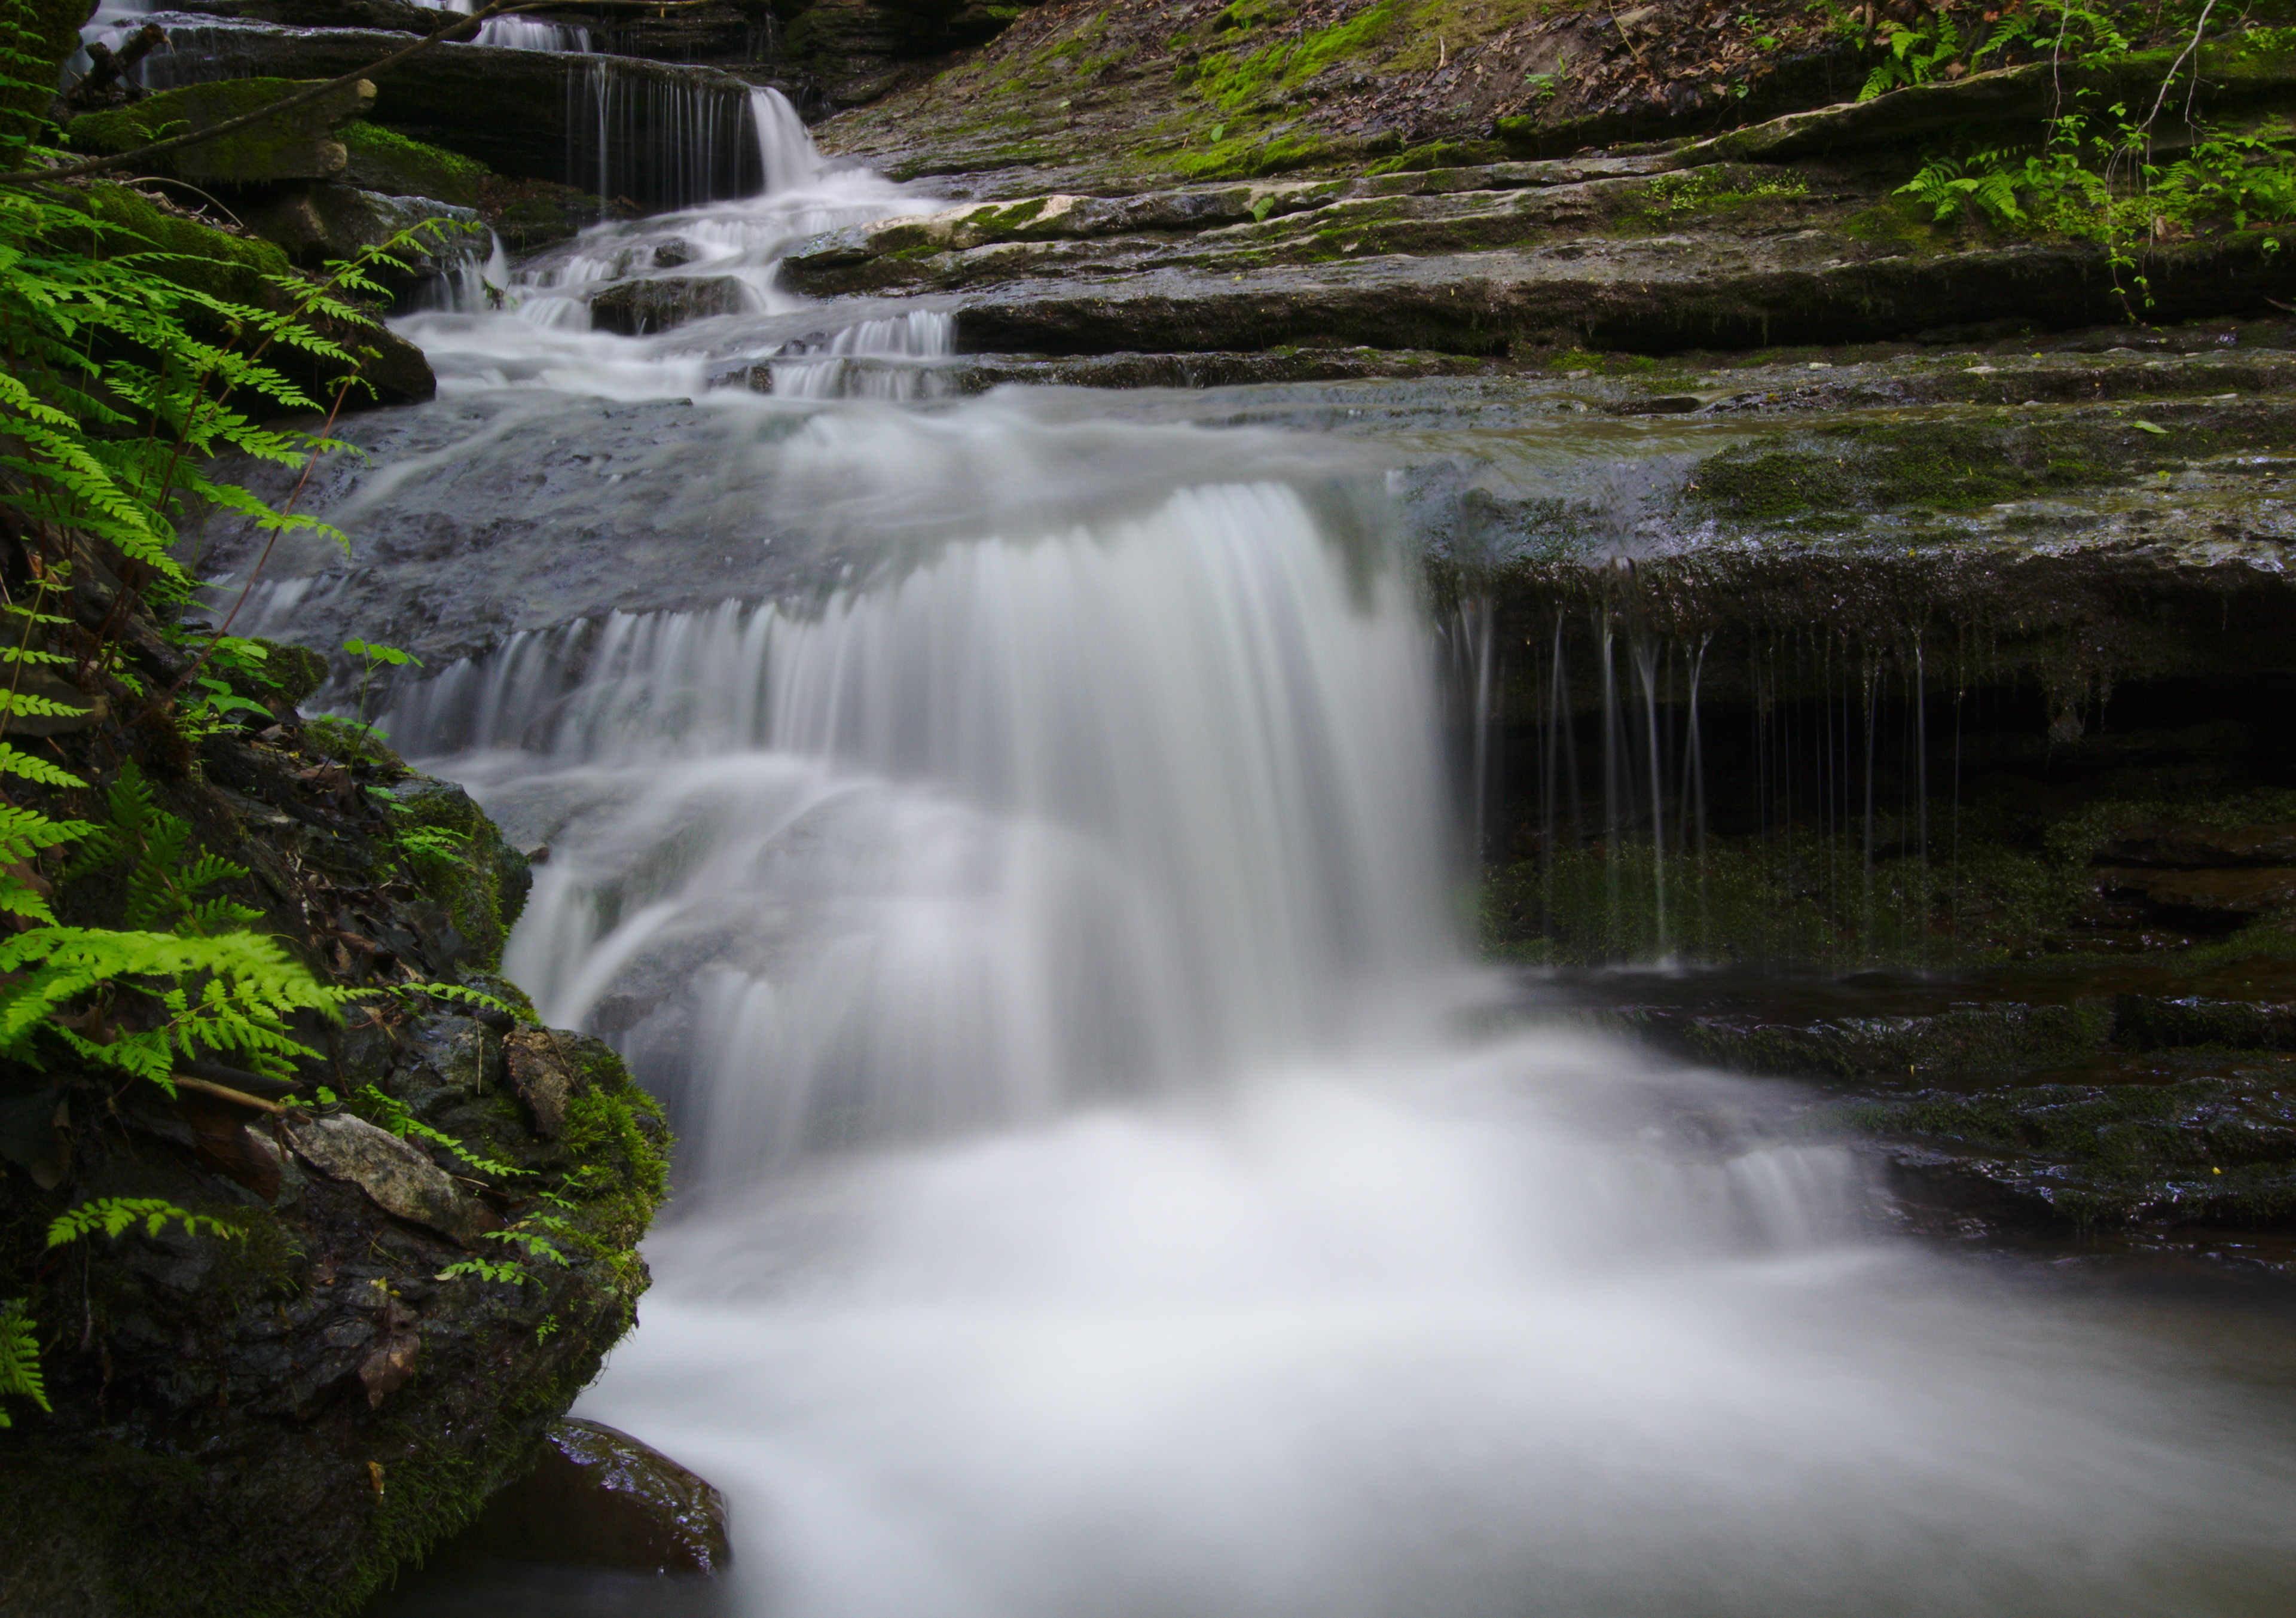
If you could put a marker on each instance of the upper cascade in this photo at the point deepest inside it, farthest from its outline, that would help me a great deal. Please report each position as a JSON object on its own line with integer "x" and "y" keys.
{"x": 673, "y": 304}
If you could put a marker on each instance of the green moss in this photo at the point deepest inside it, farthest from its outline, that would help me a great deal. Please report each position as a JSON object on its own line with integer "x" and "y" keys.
{"x": 383, "y": 159}
{"x": 238, "y": 269}
{"x": 1720, "y": 189}
{"x": 616, "y": 1132}
{"x": 482, "y": 883}
{"x": 333, "y": 736}
{"x": 294, "y": 672}
{"x": 1437, "y": 154}
{"x": 1236, "y": 81}
{"x": 1945, "y": 466}
{"x": 253, "y": 154}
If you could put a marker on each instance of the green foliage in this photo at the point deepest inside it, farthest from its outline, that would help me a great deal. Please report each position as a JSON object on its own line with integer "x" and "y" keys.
{"x": 116, "y": 1215}
{"x": 387, "y": 1111}
{"x": 1915, "y": 57}
{"x": 338, "y": 737}
{"x": 19, "y": 1359}
{"x": 165, "y": 880}
{"x": 373, "y": 655}
{"x": 458, "y": 992}
{"x": 502, "y": 1272}
{"x": 134, "y": 999}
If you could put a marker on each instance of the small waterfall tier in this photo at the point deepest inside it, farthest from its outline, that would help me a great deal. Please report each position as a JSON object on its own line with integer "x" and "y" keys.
{"x": 1107, "y": 812}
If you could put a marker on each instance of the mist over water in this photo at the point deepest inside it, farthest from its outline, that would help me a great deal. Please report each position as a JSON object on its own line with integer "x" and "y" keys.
{"x": 1092, "y": 1203}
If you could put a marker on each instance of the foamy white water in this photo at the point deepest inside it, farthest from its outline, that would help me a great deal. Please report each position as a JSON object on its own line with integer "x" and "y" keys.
{"x": 1088, "y": 1209}
{"x": 731, "y": 250}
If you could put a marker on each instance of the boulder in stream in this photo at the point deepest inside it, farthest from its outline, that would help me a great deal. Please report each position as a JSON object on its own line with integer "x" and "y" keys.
{"x": 598, "y": 1497}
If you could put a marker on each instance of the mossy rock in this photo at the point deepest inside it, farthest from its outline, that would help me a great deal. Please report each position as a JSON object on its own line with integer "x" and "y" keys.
{"x": 2204, "y": 1151}
{"x": 333, "y": 736}
{"x": 236, "y": 269}
{"x": 298, "y": 145}
{"x": 463, "y": 864}
{"x": 295, "y": 672}
{"x": 380, "y": 159}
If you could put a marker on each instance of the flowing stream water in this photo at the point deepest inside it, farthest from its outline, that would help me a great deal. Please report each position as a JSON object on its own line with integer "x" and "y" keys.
{"x": 1107, "y": 1189}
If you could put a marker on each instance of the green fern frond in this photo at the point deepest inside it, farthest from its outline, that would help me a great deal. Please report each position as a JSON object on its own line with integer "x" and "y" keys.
{"x": 19, "y": 1357}
{"x": 115, "y": 1215}
{"x": 29, "y": 766}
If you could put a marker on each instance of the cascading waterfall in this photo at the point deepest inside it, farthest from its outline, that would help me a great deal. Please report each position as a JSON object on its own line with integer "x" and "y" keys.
{"x": 551, "y": 343}
{"x": 1053, "y": 866}
{"x": 525, "y": 33}
{"x": 1106, "y": 1192}
{"x": 1085, "y": 1212}
{"x": 663, "y": 141}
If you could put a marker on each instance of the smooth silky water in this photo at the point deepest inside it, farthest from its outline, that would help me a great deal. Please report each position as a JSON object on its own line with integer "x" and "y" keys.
{"x": 1093, "y": 1199}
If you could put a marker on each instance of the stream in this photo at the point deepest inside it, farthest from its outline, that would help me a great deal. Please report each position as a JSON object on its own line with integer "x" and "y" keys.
{"x": 1014, "y": 835}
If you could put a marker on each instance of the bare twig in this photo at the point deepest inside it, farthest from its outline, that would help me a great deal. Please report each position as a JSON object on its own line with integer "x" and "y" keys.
{"x": 184, "y": 1081}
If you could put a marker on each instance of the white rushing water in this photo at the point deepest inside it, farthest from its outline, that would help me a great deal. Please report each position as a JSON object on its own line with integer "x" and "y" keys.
{"x": 727, "y": 253}
{"x": 1091, "y": 1206}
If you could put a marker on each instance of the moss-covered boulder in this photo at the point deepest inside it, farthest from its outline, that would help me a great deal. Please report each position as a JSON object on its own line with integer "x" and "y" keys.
{"x": 459, "y": 858}
{"x": 296, "y": 145}
{"x": 380, "y": 159}
{"x": 405, "y": 1272}
{"x": 247, "y": 270}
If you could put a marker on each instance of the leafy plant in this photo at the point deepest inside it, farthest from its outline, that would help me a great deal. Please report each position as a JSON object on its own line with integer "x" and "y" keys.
{"x": 19, "y": 1359}
{"x": 373, "y": 655}
{"x": 116, "y": 1215}
{"x": 1914, "y": 56}
{"x": 387, "y": 1111}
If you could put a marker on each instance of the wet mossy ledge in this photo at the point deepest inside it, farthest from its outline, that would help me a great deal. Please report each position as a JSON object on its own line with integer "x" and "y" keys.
{"x": 414, "y": 1254}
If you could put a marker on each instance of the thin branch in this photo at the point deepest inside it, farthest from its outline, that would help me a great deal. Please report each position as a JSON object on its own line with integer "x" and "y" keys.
{"x": 2199, "y": 28}
{"x": 184, "y": 1081}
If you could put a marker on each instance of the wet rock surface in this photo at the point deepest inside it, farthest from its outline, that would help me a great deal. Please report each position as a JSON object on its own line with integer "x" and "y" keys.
{"x": 598, "y": 1497}
{"x": 2083, "y": 1109}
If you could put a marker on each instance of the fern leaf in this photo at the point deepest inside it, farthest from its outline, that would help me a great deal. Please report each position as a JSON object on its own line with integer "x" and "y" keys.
{"x": 19, "y": 1357}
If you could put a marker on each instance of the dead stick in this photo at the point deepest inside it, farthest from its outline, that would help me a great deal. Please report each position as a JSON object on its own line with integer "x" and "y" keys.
{"x": 225, "y": 1093}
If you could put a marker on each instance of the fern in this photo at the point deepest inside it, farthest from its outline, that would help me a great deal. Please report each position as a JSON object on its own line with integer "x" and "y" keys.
{"x": 501, "y": 1272}
{"x": 232, "y": 995}
{"x": 115, "y": 1215}
{"x": 535, "y": 1246}
{"x": 389, "y": 1113}
{"x": 456, "y": 991}
{"x": 165, "y": 882}
{"x": 19, "y": 1357}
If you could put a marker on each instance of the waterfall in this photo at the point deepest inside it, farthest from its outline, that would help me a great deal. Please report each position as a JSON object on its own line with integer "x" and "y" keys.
{"x": 656, "y": 139}
{"x": 717, "y": 256}
{"x": 1108, "y": 812}
{"x": 1106, "y": 1191}
{"x": 866, "y": 359}
{"x": 785, "y": 150}
{"x": 525, "y": 33}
